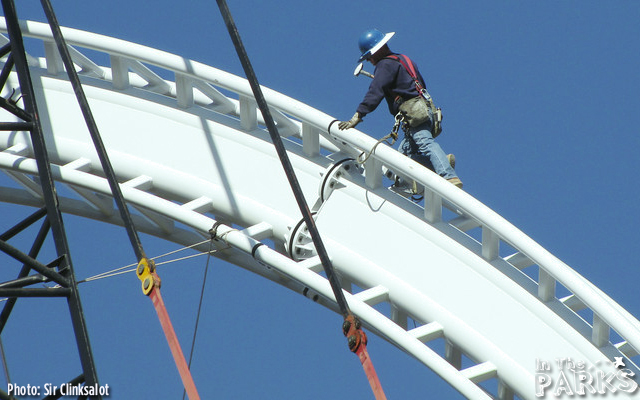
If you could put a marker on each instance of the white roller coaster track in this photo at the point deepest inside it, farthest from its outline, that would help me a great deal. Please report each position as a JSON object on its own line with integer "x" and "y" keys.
{"x": 193, "y": 150}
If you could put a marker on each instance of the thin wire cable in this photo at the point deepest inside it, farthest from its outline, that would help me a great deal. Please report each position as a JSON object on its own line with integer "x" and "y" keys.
{"x": 124, "y": 270}
{"x": 132, "y": 267}
{"x": 119, "y": 271}
{"x": 112, "y": 274}
{"x": 113, "y": 271}
{"x": 182, "y": 249}
{"x": 195, "y": 330}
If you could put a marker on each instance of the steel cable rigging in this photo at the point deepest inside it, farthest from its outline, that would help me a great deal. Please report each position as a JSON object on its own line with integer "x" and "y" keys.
{"x": 146, "y": 268}
{"x": 351, "y": 326}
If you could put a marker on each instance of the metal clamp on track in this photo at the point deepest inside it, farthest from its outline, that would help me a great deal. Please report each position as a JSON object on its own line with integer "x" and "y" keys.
{"x": 299, "y": 243}
{"x": 331, "y": 178}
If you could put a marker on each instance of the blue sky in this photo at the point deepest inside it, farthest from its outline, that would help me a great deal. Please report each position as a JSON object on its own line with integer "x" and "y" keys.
{"x": 541, "y": 108}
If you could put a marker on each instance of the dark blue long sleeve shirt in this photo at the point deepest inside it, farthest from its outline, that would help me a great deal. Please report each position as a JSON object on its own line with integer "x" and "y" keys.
{"x": 390, "y": 80}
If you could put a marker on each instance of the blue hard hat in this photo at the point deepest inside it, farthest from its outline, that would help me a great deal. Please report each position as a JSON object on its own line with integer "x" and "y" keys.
{"x": 371, "y": 41}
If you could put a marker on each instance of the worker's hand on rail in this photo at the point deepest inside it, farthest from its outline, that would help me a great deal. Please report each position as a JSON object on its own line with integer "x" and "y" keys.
{"x": 355, "y": 120}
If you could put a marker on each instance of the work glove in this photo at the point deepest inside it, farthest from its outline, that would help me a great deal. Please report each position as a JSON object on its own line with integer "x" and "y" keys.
{"x": 355, "y": 120}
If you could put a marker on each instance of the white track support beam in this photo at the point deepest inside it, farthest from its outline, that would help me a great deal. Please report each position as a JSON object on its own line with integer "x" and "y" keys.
{"x": 601, "y": 331}
{"x": 119, "y": 73}
{"x": 310, "y": 140}
{"x": 259, "y": 231}
{"x": 286, "y": 127}
{"x": 374, "y": 295}
{"x": 453, "y": 354}
{"x": 19, "y": 149}
{"x": 165, "y": 224}
{"x": 313, "y": 264}
{"x": 505, "y": 392}
{"x": 81, "y": 164}
{"x": 464, "y": 223}
{"x": 121, "y": 66}
{"x": 201, "y": 205}
{"x": 184, "y": 91}
{"x": 31, "y": 61}
{"x": 481, "y": 372}
{"x": 98, "y": 200}
{"x": 546, "y": 286}
{"x": 87, "y": 67}
{"x": 142, "y": 182}
{"x": 373, "y": 173}
{"x": 34, "y": 188}
{"x": 432, "y": 206}
{"x": 101, "y": 202}
{"x": 519, "y": 260}
{"x": 345, "y": 284}
{"x": 222, "y": 103}
{"x": 399, "y": 317}
{"x": 55, "y": 65}
{"x": 145, "y": 183}
{"x": 248, "y": 113}
{"x": 428, "y": 332}
{"x": 573, "y": 302}
{"x": 490, "y": 244}
{"x": 626, "y": 349}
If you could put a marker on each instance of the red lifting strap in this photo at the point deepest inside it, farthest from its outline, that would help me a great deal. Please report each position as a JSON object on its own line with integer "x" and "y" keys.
{"x": 358, "y": 344}
{"x": 151, "y": 287}
{"x": 370, "y": 371}
{"x": 174, "y": 345}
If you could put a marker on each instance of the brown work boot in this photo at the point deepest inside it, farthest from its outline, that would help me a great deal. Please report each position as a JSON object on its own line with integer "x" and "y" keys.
{"x": 452, "y": 160}
{"x": 456, "y": 181}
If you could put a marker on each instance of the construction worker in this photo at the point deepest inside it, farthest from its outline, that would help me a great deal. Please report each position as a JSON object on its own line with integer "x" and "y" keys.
{"x": 393, "y": 82}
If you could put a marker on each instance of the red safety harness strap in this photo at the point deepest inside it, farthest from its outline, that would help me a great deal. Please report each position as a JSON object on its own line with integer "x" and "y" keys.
{"x": 408, "y": 65}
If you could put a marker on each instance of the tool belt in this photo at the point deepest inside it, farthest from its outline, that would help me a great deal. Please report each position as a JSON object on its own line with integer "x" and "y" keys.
{"x": 418, "y": 110}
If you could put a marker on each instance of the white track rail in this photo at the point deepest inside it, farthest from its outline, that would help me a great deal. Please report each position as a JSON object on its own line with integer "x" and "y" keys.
{"x": 188, "y": 146}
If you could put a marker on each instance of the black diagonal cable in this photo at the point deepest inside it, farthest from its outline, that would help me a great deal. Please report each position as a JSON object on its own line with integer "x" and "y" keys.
{"x": 284, "y": 158}
{"x": 93, "y": 129}
{"x": 195, "y": 329}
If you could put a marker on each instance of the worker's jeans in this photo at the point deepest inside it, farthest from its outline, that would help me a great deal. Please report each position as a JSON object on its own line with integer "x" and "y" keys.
{"x": 419, "y": 145}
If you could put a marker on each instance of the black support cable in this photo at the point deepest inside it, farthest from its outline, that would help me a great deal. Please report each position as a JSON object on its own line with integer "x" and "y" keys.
{"x": 93, "y": 130}
{"x": 284, "y": 158}
{"x": 195, "y": 329}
